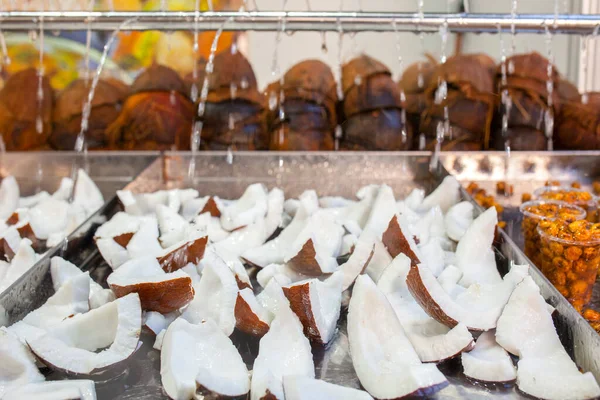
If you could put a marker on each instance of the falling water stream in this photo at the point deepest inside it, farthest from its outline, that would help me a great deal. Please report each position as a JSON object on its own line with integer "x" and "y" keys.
{"x": 443, "y": 127}
{"x": 274, "y": 98}
{"x": 400, "y": 71}
{"x": 39, "y": 122}
{"x": 88, "y": 43}
{"x": 549, "y": 113}
{"x": 420, "y": 79}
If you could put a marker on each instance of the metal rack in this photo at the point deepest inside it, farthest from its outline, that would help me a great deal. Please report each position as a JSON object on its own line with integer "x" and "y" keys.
{"x": 298, "y": 21}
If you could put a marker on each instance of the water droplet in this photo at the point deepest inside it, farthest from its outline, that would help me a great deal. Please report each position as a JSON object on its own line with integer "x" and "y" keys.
{"x": 234, "y": 48}
{"x": 272, "y": 101}
{"x": 194, "y": 92}
{"x": 231, "y": 122}
{"x": 229, "y": 155}
{"x": 39, "y": 124}
{"x": 422, "y": 141}
{"x": 324, "y": 42}
{"x": 233, "y": 90}
{"x": 172, "y": 98}
{"x": 420, "y": 80}
{"x": 511, "y": 67}
{"x": 357, "y": 80}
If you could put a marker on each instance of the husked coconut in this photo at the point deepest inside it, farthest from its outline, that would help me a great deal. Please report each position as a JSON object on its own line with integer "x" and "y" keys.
{"x": 201, "y": 358}
{"x": 182, "y": 253}
{"x": 158, "y": 290}
{"x": 305, "y": 388}
{"x": 9, "y": 197}
{"x": 488, "y": 362}
{"x": 283, "y": 350}
{"x": 457, "y": 220}
{"x": 81, "y": 389}
{"x": 86, "y": 194}
{"x": 544, "y": 370}
{"x": 478, "y": 307}
{"x": 474, "y": 253}
{"x": 215, "y": 295}
{"x": 246, "y": 210}
{"x": 18, "y": 365}
{"x": 384, "y": 360}
{"x": 318, "y": 305}
{"x": 71, "y": 345}
{"x": 445, "y": 195}
{"x": 250, "y": 316}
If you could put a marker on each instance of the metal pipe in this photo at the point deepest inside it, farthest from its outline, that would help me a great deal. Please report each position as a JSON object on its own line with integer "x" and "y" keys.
{"x": 298, "y": 21}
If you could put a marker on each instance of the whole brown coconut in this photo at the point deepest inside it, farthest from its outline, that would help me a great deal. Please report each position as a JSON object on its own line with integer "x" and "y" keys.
{"x": 309, "y": 108}
{"x": 20, "y": 111}
{"x": 469, "y": 100}
{"x": 578, "y": 125}
{"x": 372, "y": 109}
{"x": 414, "y": 92}
{"x": 106, "y": 105}
{"x": 526, "y": 85}
{"x": 157, "y": 114}
{"x": 233, "y": 116}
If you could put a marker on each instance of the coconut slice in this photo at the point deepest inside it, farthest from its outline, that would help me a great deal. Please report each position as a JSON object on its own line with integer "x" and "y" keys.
{"x": 384, "y": 360}
{"x": 283, "y": 350}
{"x": 544, "y": 370}
{"x": 86, "y": 193}
{"x": 428, "y": 226}
{"x": 250, "y": 316}
{"x": 113, "y": 253}
{"x": 55, "y": 390}
{"x": 474, "y": 253}
{"x": 200, "y": 357}
{"x": 458, "y": 219}
{"x": 64, "y": 189}
{"x": 318, "y": 305}
{"x": 254, "y": 235}
{"x": 432, "y": 341}
{"x": 182, "y": 253}
{"x": 348, "y": 243}
{"x": 236, "y": 266}
{"x": 488, "y": 362}
{"x": 49, "y": 216}
{"x": 62, "y": 271}
{"x": 24, "y": 259}
{"x": 9, "y": 197}
{"x": 158, "y": 322}
{"x": 18, "y": 365}
{"x": 359, "y": 260}
{"x": 415, "y": 199}
{"x": 197, "y": 206}
{"x": 305, "y": 388}
{"x": 172, "y": 226}
{"x": 398, "y": 239}
{"x": 382, "y": 211}
{"x": 32, "y": 201}
{"x": 316, "y": 247}
{"x": 358, "y": 213}
{"x": 71, "y": 345}
{"x": 282, "y": 273}
{"x": 379, "y": 261}
{"x": 159, "y": 291}
{"x": 120, "y": 228}
{"x": 216, "y": 295}
{"x": 248, "y": 209}
{"x": 9, "y": 243}
{"x": 209, "y": 225}
{"x": 145, "y": 241}
{"x": 478, "y": 307}
{"x": 445, "y": 195}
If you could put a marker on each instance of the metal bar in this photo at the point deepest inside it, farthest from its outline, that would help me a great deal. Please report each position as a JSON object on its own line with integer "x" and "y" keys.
{"x": 297, "y": 21}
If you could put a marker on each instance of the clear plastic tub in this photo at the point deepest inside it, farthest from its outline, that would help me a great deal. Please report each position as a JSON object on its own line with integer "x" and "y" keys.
{"x": 578, "y": 197}
{"x": 539, "y": 210}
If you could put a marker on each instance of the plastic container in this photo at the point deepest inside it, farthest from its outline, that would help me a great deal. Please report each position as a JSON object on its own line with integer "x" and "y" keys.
{"x": 578, "y": 197}
{"x": 540, "y": 210}
{"x": 570, "y": 255}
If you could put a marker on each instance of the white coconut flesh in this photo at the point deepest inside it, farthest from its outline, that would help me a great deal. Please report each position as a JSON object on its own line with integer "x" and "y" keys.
{"x": 9, "y": 197}
{"x": 24, "y": 259}
{"x": 64, "y": 189}
{"x": 62, "y": 271}
{"x": 145, "y": 241}
{"x": 121, "y": 223}
{"x": 272, "y": 298}
{"x": 445, "y": 195}
{"x": 488, "y": 362}
{"x": 201, "y": 355}
{"x": 379, "y": 261}
{"x": 348, "y": 243}
{"x": 80, "y": 389}
{"x": 18, "y": 365}
{"x": 357, "y": 213}
{"x": 478, "y": 307}
{"x": 432, "y": 341}
{"x": 335, "y": 202}
{"x": 305, "y": 388}
{"x": 31, "y": 201}
{"x": 283, "y": 350}
{"x": 158, "y": 322}
{"x": 192, "y": 207}
{"x": 71, "y": 345}
{"x": 544, "y": 370}
{"x": 250, "y": 315}
{"x": 248, "y": 209}
{"x": 12, "y": 238}
{"x": 382, "y": 211}
{"x": 282, "y": 273}
{"x": 86, "y": 193}
{"x": 113, "y": 253}
{"x": 414, "y": 199}
{"x": 49, "y": 216}
{"x": 215, "y": 295}
{"x": 254, "y": 235}
{"x": 234, "y": 264}
{"x": 358, "y": 261}
{"x": 317, "y": 304}
{"x": 474, "y": 253}
{"x": 384, "y": 360}
{"x": 458, "y": 219}
{"x": 172, "y": 226}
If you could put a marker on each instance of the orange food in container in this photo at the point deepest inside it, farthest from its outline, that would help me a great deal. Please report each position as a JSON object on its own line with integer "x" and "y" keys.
{"x": 578, "y": 197}
{"x": 544, "y": 210}
{"x": 570, "y": 254}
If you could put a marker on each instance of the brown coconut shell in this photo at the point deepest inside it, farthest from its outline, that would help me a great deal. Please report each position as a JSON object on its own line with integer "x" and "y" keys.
{"x": 577, "y": 127}
{"x": 305, "y": 261}
{"x": 68, "y": 108}
{"x": 20, "y": 108}
{"x": 233, "y": 69}
{"x": 163, "y": 297}
{"x": 377, "y": 130}
{"x": 189, "y": 252}
{"x": 415, "y": 98}
{"x": 157, "y": 115}
{"x": 301, "y": 305}
{"x": 567, "y": 91}
{"x": 395, "y": 241}
{"x": 123, "y": 239}
{"x": 246, "y": 320}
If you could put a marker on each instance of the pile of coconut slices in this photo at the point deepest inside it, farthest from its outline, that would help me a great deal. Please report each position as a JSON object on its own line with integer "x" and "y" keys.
{"x": 417, "y": 277}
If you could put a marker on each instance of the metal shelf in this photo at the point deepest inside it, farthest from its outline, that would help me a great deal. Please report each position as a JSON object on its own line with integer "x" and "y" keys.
{"x": 298, "y": 21}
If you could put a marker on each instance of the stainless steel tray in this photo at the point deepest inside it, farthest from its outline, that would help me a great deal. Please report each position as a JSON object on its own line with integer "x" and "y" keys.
{"x": 330, "y": 174}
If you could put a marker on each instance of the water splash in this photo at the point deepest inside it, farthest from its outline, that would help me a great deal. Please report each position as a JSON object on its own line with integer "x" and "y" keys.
{"x": 39, "y": 123}
{"x": 505, "y": 99}
{"x": 403, "y": 133}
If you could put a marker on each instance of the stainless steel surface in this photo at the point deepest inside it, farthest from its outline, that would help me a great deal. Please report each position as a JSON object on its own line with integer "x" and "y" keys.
{"x": 329, "y": 174}
{"x": 298, "y": 21}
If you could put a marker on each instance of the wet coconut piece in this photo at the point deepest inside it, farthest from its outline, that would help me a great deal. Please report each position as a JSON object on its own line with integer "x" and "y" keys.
{"x": 234, "y": 108}
{"x": 577, "y": 126}
{"x": 157, "y": 115}
{"x": 20, "y": 109}
{"x": 528, "y": 94}
{"x": 469, "y": 99}
{"x": 106, "y": 105}
{"x": 372, "y": 108}
{"x": 309, "y": 104}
